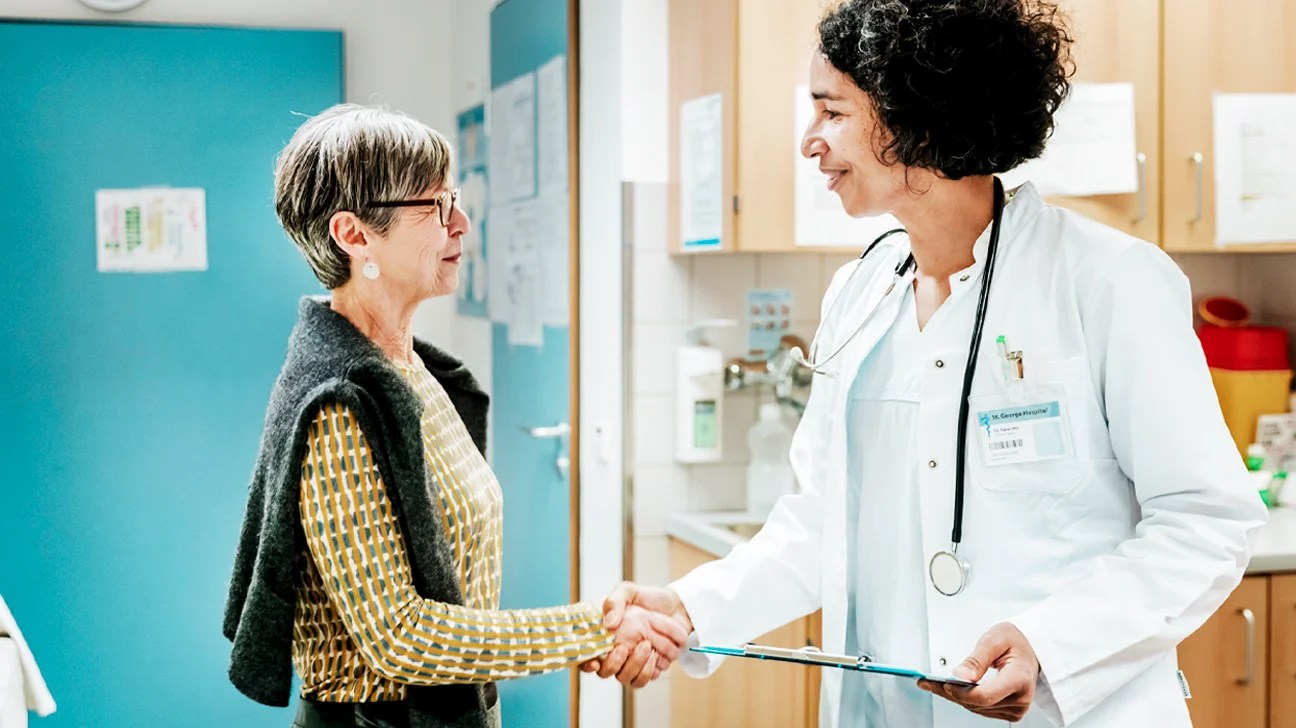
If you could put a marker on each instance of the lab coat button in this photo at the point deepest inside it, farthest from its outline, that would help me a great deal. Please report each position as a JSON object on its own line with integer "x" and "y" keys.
{"x": 940, "y": 364}
{"x": 931, "y": 463}
{"x": 963, "y": 278}
{"x": 943, "y": 661}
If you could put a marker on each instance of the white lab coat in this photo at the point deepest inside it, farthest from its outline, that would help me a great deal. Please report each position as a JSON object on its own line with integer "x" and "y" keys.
{"x": 1105, "y": 559}
{"x": 22, "y": 688}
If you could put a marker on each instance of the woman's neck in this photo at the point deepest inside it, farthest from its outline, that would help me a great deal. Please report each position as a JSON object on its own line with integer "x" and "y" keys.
{"x": 385, "y": 320}
{"x": 945, "y": 221}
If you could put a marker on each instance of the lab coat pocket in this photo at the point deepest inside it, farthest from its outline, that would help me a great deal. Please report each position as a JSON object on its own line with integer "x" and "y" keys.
{"x": 1021, "y": 441}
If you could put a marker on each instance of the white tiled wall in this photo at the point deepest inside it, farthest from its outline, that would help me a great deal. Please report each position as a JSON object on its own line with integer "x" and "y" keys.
{"x": 670, "y": 293}
{"x": 1270, "y": 290}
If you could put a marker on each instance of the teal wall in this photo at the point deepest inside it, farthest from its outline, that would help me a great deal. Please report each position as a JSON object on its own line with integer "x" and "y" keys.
{"x": 132, "y": 404}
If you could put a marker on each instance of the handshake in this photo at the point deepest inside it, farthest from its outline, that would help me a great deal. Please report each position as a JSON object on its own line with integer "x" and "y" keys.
{"x": 651, "y": 627}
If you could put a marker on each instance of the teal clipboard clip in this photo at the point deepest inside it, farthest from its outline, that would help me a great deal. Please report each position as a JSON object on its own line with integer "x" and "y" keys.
{"x": 812, "y": 656}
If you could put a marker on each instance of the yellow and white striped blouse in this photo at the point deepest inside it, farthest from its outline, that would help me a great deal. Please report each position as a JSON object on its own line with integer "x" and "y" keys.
{"x": 361, "y": 633}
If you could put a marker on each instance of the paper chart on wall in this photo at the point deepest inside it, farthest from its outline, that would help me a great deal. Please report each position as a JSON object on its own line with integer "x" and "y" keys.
{"x": 701, "y": 186}
{"x": 820, "y": 220}
{"x": 512, "y": 121}
{"x": 555, "y": 260}
{"x": 529, "y": 267}
{"x": 1093, "y": 149}
{"x": 551, "y": 103}
{"x": 1255, "y": 168}
{"x": 151, "y": 230}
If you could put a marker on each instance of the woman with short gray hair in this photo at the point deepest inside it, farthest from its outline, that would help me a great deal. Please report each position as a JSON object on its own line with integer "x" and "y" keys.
{"x": 370, "y": 553}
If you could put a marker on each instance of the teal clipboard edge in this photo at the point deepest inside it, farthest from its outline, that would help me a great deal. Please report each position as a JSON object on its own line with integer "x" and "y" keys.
{"x": 873, "y": 667}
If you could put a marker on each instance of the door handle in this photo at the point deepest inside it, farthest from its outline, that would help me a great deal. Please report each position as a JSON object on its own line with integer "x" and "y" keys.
{"x": 1249, "y": 675}
{"x": 560, "y": 432}
{"x": 552, "y": 432}
{"x": 1140, "y": 160}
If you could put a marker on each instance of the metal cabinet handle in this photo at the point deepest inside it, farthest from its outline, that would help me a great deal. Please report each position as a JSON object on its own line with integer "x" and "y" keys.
{"x": 1141, "y": 160}
{"x": 1199, "y": 166}
{"x": 1249, "y": 616}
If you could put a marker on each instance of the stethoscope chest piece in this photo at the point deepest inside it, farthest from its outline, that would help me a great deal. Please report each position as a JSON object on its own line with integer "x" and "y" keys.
{"x": 949, "y": 572}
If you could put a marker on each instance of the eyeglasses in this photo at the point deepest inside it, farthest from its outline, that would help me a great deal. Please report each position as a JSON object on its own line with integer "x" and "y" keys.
{"x": 445, "y": 203}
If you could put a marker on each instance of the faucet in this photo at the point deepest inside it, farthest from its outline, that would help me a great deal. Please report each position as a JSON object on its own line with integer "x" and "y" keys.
{"x": 780, "y": 371}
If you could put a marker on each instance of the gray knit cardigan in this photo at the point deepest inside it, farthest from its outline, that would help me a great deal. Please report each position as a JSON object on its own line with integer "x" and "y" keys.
{"x": 330, "y": 361}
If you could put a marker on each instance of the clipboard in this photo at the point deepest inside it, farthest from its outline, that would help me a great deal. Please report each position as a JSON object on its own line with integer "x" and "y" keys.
{"x": 812, "y": 656}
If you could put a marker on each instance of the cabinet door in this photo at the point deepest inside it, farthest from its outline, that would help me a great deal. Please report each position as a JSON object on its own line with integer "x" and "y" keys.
{"x": 1226, "y": 661}
{"x": 1117, "y": 41}
{"x": 776, "y": 40}
{"x": 703, "y": 51}
{"x": 1214, "y": 46}
{"x": 1282, "y": 661}
{"x": 742, "y": 692}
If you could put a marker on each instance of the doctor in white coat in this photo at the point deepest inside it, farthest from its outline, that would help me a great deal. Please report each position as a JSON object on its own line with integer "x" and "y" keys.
{"x": 1104, "y": 512}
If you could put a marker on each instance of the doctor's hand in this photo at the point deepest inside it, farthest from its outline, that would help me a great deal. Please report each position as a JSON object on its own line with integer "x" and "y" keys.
{"x": 1008, "y": 694}
{"x": 646, "y": 644}
{"x": 618, "y": 609}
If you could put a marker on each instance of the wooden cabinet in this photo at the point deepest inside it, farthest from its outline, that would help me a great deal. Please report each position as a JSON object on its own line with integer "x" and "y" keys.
{"x": 755, "y": 53}
{"x": 745, "y": 692}
{"x": 1282, "y": 655}
{"x": 703, "y": 43}
{"x": 1241, "y": 665}
{"x": 1177, "y": 54}
{"x": 1210, "y": 47}
{"x": 1116, "y": 41}
{"x": 1226, "y": 661}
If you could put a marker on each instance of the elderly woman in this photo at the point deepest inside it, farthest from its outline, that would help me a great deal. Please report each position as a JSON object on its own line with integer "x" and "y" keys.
{"x": 370, "y": 552}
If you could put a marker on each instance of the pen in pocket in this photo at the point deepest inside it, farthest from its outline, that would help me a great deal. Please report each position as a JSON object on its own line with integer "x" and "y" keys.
{"x": 1014, "y": 366}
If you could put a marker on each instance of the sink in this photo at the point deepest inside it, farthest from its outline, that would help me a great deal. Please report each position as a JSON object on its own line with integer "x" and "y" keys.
{"x": 744, "y": 530}
{"x": 715, "y": 532}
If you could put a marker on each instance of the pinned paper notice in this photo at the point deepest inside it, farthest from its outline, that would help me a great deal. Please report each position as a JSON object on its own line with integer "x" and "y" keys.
{"x": 1255, "y": 168}
{"x": 151, "y": 230}
{"x": 702, "y": 172}
{"x": 1093, "y": 149}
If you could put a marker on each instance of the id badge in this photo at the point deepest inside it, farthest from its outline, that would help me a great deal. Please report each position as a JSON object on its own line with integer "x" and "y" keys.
{"x": 1026, "y": 434}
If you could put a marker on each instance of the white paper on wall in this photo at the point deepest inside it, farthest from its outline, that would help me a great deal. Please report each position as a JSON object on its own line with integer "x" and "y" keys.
{"x": 512, "y": 123}
{"x": 151, "y": 230}
{"x": 1093, "y": 149}
{"x": 552, "y": 125}
{"x": 702, "y": 172}
{"x": 1255, "y": 168}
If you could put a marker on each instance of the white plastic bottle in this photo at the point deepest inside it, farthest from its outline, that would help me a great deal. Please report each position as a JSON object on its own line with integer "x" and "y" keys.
{"x": 769, "y": 474}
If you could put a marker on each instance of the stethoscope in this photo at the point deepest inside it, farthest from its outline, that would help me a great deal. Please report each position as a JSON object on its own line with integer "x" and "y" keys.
{"x": 948, "y": 571}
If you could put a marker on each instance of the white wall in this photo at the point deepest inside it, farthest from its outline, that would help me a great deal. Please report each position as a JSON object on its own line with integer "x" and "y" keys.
{"x": 644, "y": 78}
{"x": 394, "y": 49}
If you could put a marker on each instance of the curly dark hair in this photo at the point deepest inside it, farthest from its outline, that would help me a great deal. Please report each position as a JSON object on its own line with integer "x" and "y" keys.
{"x": 960, "y": 87}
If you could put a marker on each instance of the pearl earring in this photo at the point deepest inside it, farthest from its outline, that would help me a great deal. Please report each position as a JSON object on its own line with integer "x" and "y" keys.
{"x": 371, "y": 271}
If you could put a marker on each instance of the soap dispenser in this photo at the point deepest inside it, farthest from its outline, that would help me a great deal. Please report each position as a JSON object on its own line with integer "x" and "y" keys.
{"x": 699, "y": 392}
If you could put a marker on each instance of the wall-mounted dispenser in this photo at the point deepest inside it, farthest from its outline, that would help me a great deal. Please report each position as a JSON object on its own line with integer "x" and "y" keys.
{"x": 699, "y": 391}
